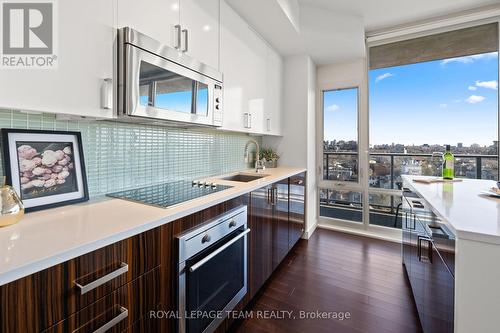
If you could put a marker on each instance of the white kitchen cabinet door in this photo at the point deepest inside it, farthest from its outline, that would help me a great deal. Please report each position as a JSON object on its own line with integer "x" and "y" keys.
{"x": 243, "y": 64}
{"x": 85, "y": 38}
{"x": 154, "y": 18}
{"x": 200, "y": 21}
{"x": 274, "y": 84}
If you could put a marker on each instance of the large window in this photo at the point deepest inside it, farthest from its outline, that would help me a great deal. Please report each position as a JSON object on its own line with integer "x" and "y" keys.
{"x": 341, "y": 156}
{"x": 340, "y": 135}
{"x": 416, "y": 109}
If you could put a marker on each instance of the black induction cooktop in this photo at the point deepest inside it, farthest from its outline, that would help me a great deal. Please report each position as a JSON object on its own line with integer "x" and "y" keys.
{"x": 168, "y": 194}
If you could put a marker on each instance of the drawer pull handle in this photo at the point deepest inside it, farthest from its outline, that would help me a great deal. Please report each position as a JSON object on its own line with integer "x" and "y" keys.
{"x": 421, "y": 239}
{"x": 102, "y": 280}
{"x": 113, "y": 322}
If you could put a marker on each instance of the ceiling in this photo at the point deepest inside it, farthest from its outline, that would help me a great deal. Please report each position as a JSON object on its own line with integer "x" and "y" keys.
{"x": 333, "y": 31}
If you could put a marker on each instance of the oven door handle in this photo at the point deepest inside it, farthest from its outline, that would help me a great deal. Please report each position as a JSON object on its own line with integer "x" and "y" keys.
{"x": 216, "y": 252}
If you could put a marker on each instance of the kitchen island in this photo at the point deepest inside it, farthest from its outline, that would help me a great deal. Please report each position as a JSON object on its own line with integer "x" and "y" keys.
{"x": 473, "y": 222}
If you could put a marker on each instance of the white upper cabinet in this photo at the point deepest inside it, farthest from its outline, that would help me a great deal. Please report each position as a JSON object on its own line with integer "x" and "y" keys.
{"x": 252, "y": 78}
{"x": 155, "y": 18}
{"x": 274, "y": 84}
{"x": 85, "y": 34}
{"x": 191, "y": 26}
{"x": 199, "y": 20}
{"x": 243, "y": 63}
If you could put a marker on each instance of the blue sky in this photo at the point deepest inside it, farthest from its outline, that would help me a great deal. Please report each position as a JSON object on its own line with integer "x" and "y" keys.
{"x": 437, "y": 102}
{"x": 340, "y": 114}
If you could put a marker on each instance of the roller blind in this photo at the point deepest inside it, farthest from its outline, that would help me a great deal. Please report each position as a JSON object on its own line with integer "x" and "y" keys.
{"x": 457, "y": 43}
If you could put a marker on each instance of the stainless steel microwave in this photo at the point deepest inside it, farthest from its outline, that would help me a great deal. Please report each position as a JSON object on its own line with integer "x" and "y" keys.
{"x": 159, "y": 83}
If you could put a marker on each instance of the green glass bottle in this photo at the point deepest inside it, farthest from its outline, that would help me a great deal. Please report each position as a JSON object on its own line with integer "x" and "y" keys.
{"x": 448, "y": 164}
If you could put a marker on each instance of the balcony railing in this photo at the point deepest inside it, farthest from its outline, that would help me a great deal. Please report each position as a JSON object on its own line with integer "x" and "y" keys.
{"x": 385, "y": 172}
{"x": 390, "y": 166}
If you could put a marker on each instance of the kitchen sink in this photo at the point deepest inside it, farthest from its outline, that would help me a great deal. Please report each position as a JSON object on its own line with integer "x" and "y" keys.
{"x": 244, "y": 178}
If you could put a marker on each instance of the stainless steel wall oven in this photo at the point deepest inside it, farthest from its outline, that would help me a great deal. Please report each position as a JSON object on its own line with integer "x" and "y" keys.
{"x": 212, "y": 271}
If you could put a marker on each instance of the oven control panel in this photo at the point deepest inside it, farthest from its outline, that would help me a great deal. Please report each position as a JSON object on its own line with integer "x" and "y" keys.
{"x": 200, "y": 238}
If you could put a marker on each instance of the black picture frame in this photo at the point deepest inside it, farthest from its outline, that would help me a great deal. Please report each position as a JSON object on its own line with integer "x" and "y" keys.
{"x": 78, "y": 167}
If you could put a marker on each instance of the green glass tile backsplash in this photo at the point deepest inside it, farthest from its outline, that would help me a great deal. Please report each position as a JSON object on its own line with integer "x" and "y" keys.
{"x": 121, "y": 155}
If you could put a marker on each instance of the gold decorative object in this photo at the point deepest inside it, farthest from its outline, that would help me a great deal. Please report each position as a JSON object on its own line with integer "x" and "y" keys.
{"x": 12, "y": 208}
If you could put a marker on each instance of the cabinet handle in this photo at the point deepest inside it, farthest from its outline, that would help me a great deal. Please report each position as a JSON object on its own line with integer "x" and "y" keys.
{"x": 177, "y": 28}
{"x": 186, "y": 45}
{"x": 269, "y": 199}
{"x": 412, "y": 217}
{"x": 107, "y": 94}
{"x": 102, "y": 280}
{"x": 268, "y": 124}
{"x": 421, "y": 239}
{"x": 112, "y": 323}
{"x": 275, "y": 196}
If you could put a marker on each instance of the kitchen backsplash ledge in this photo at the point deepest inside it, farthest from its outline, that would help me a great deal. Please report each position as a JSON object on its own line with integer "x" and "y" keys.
{"x": 122, "y": 155}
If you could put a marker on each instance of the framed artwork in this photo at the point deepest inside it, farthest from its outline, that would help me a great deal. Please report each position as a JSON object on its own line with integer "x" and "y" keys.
{"x": 46, "y": 168}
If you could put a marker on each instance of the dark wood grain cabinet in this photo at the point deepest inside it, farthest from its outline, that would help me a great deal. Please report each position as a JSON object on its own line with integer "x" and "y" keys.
{"x": 428, "y": 256}
{"x": 41, "y": 300}
{"x": 118, "y": 310}
{"x": 281, "y": 207}
{"x": 277, "y": 217}
{"x": 260, "y": 245}
{"x": 297, "y": 208}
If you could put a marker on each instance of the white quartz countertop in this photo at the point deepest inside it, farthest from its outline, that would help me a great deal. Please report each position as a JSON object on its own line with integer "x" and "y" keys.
{"x": 470, "y": 214}
{"x": 46, "y": 238}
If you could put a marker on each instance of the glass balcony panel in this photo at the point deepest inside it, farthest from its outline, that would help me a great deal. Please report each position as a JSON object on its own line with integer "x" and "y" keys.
{"x": 342, "y": 205}
{"x": 383, "y": 208}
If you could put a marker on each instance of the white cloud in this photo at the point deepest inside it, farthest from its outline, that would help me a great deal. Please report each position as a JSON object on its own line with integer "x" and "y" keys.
{"x": 383, "y": 76}
{"x": 472, "y": 88}
{"x": 443, "y": 105}
{"x": 470, "y": 59}
{"x": 332, "y": 108}
{"x": 473, "y": 99}
{"x": 487, "y": 84}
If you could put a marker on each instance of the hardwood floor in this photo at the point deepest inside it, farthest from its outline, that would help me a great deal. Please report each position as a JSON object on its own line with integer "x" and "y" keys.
{"x": 337, "y": 272}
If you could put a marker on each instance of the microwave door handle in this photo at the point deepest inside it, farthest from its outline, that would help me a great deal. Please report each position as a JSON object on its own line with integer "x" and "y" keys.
{"x": 216, "y": 252}
{"x": 186, "y": 37}
{"x": 177, "y": 28}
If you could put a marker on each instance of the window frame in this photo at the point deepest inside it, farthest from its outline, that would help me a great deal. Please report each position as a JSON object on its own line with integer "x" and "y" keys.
{"x": 325, "y": 183}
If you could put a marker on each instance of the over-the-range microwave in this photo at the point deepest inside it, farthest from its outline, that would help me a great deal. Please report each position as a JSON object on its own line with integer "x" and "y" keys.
{"x": 161, "y": 84}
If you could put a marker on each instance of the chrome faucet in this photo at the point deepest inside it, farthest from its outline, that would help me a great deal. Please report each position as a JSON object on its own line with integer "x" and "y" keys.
{"x": 258, "y": 163}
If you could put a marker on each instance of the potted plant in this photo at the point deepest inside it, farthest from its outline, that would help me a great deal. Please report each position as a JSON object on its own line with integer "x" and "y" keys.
{"x": 269, "y": 157}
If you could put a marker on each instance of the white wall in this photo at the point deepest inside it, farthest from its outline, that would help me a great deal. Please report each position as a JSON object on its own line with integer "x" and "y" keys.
{"x": 297, "y": 147}
{"x": 342, "y": 73}
{"x": 477, "y": 295}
